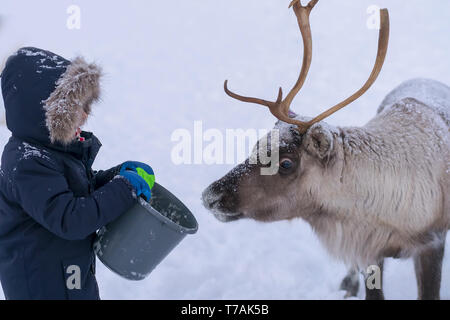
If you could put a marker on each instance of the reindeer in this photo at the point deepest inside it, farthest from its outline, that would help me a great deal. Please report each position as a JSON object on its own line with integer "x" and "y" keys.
{"x": 371, "y": 192}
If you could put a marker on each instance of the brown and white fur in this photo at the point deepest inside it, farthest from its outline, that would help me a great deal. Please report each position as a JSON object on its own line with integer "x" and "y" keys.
{"x": 381, "y": 190}
{"x": 69, "y": 105}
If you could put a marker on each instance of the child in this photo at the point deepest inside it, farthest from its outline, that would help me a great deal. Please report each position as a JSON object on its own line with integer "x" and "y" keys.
{"x": 51, "y": 201}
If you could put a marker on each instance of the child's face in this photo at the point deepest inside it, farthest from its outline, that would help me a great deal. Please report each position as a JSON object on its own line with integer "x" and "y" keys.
{"x": 84, "y": 117}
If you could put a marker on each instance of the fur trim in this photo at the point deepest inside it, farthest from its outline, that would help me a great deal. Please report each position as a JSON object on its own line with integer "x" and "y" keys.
{"x": 75, "y": 91}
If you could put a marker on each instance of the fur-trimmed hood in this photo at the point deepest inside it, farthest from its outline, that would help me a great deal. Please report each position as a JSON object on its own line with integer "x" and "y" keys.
{"x": 45, "y": 95}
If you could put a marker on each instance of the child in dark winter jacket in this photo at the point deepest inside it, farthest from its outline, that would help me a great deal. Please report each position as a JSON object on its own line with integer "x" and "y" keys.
{"x": 51, "y": 201}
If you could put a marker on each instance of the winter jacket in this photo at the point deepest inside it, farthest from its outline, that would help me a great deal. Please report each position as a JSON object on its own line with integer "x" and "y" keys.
{"x": 51, "y": 201}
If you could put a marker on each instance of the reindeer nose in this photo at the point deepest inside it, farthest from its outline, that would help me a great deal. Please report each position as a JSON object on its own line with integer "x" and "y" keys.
{"x": 221, "y": 199}
{"x": 211, "y": 196}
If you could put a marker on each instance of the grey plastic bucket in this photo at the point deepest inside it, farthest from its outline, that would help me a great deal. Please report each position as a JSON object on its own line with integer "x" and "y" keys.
{"x": 134, "y": 244}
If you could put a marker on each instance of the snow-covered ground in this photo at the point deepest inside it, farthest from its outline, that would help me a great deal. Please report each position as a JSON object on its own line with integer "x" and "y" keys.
{"x": 165, "y": 62}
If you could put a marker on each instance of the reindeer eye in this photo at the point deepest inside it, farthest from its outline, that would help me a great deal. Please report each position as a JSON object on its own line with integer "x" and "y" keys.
{"x": 286, "y": 164}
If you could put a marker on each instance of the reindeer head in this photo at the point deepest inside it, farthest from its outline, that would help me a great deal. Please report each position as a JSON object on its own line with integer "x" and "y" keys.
{"x": 307, "y": 151}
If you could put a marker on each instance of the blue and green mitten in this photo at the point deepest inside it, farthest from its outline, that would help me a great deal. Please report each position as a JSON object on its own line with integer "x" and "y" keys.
{"x": 142, "y": 170}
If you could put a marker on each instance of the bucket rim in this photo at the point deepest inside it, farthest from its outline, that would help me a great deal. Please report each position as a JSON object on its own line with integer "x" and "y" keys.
{"x": 162, "y": 218}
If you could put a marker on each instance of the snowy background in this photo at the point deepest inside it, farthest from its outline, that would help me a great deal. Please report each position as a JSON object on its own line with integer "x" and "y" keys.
{"x": 165, "y": 63}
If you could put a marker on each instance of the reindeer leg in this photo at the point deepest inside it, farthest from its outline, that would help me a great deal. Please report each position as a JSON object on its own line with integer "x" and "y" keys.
{"x": 428, "y": 266}
{"x": 374, "y": 293}
{"x": 350, "y": 284}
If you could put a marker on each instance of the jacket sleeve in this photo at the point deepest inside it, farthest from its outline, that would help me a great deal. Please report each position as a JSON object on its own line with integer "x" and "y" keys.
{"x": 43, "y": 192}
{"x": 102, "y": 177}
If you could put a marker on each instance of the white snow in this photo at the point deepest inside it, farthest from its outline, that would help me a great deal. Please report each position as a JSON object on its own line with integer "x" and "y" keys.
{"x": 30, "y": 151}
{"x": 430, "y": 92}
{"x": 165, "y": 63}
{"x": 30, "y": 53}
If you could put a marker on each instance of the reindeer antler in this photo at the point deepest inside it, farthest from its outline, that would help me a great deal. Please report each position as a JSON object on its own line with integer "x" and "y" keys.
{"x": 280, "y": 108}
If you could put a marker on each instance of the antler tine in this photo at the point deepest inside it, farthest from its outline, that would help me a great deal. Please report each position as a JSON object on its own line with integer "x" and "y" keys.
{"x": 310, "y": 5}
{"x": 274, "y": 107}
{"x": 302, "y": 13}
{"x": 263, "y": 102}
{"x": 383, "y": 42}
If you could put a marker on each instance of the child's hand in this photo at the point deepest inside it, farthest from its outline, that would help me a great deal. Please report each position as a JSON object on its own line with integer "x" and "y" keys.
{"x": 142, "y": 169}
{"x": 140, "y": 184}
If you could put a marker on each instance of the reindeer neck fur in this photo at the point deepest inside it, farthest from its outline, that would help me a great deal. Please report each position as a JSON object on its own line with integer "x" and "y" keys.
{"x": 384, "y": 194}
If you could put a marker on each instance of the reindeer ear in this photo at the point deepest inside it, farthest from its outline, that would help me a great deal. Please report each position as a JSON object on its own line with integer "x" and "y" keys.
{"x": 318, "y": 141}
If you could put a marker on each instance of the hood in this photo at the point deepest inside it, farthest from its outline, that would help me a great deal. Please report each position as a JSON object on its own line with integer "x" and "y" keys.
{"x": 45, "y": 95}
